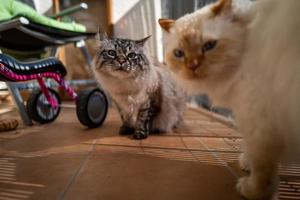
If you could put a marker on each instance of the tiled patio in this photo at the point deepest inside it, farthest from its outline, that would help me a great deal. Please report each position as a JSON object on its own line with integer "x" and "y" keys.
{"x": 63, "y": 160}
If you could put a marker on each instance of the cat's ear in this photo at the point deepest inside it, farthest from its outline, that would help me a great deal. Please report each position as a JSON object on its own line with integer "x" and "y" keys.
{"x": 222, "y": 7}
{"x": 166, "y": 24}
{"x": 100, "y": 39}
{"x": 141, "y": 42}
{"x": 101, "y": 35}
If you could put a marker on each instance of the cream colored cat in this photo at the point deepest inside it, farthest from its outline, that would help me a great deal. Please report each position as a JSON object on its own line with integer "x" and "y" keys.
{"x": 253, "y": 68}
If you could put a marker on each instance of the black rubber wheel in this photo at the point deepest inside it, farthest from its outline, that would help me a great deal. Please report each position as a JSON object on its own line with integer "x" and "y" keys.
{"x": 91, "y": 107}
{"x": 39, "y": 109}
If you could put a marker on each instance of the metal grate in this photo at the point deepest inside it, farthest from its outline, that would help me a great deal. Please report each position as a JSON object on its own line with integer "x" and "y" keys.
{"x": 289, "y": 189}
{"x": 8, "y": 179}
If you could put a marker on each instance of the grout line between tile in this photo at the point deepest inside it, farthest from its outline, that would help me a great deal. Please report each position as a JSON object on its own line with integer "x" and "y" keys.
{"x": 189, "y": 150}
{"x": 143, "y": 147}
{"x": 77, "y": 173}
{"x": 214, "y": 154}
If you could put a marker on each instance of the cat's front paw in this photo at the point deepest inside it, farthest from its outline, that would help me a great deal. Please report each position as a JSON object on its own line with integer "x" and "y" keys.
{"x": 253, "y": 191}
{"x": 126, "y": 130}
{"x": 245, "y": 189}
{"x": 140, "y": 134}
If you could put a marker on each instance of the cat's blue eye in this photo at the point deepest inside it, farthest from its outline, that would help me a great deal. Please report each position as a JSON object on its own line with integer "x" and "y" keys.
{"x": 178, "y": 53}
{"x": 112, "y": 53}
{"x": 209, "y": 45}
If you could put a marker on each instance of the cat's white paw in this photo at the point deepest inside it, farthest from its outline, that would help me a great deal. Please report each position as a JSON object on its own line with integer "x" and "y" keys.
{"x": 244, "y": 163}
{"x": 246, "y": 189}
{"x": 250, "y": 190}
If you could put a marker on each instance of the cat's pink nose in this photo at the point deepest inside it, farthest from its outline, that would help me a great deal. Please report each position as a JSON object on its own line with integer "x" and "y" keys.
{"x": 194, "y": 64}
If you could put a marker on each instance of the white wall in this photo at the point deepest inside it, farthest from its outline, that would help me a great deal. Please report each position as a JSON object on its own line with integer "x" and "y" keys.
{"x": 136, "y": 19}
{"x": 42, "y": 5}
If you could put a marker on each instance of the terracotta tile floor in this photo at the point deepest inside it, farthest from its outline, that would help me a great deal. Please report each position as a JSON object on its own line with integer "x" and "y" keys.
{"x": 64, "y": 160}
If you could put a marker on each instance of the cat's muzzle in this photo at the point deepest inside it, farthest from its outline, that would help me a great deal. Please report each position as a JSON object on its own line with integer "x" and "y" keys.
{"x": 124, "y": 67}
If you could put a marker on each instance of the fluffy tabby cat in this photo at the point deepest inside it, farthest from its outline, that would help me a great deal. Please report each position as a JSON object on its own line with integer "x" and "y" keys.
{"x": 144, "y": 92}
{"x": 251, "y": 67}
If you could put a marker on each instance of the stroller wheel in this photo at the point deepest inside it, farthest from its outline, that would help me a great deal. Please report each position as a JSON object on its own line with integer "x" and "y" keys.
{"x": 39, "y": 109}
{"x": 91, "y": 107}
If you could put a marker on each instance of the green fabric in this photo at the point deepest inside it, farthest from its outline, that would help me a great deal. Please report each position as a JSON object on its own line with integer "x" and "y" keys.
{"x": 10, "y": 9}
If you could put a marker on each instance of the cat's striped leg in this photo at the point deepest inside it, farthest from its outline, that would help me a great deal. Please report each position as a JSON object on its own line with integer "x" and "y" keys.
{"x": 144, "y": 120}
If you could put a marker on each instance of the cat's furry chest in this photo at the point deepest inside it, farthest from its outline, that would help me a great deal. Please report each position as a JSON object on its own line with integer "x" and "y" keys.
{"x": 130, "y": 94}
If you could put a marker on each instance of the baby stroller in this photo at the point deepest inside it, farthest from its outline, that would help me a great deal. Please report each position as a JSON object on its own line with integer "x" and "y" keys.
{"x": 23, "y": 30}
{"x": 43, "y": 105}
